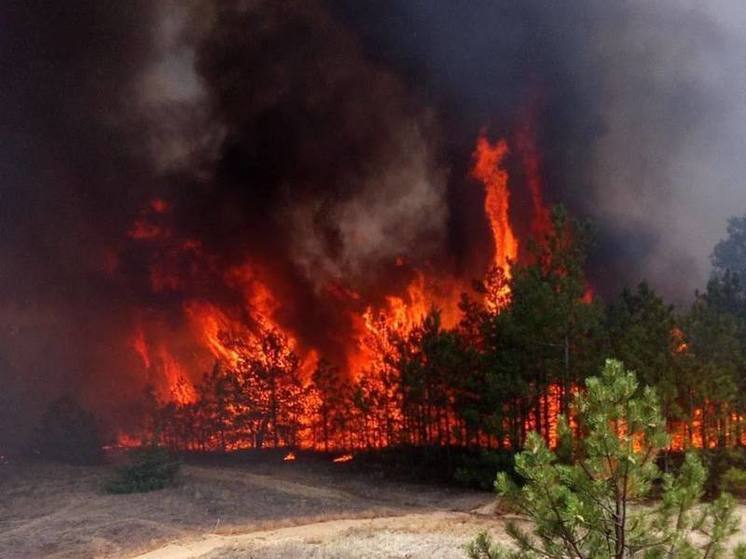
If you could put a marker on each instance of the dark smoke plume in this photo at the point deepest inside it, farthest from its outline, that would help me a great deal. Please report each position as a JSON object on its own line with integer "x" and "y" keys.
{"x": 641, "y": 107}
{"x": 71, "y": 169}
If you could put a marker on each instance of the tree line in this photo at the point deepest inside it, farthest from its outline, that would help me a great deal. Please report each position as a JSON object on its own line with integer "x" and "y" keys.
{"x": 524, "y": 346}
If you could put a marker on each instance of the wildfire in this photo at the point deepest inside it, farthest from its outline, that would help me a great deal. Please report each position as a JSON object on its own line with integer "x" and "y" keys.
{"x": 181, "y": 389}
{"x": 399, "y": 314}
{"x": 125, "y": 440}
{"x": 405, "y": 312}
{"x": 343, "y": 458}
{"x": 209, "y": 323}
{"x": 212, "y": 326}
{"x": 488, "y": 169}
{"x": 289, "y": 457}
{"x": 157, "y": 359}
{"x": 678, "y": 339}
{"x": 176, "y": 357}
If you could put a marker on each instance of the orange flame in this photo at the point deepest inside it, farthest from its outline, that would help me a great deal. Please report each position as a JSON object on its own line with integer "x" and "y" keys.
{"x": 488, "y": 169}
{"x": 289, "y": 457}
{"x": 209, "y": 323}
{"x": 181, "y": 389}
{"x": 210, "y": 328}
{"x": 141, "y": 347}
{"x": 125, "y": 440}
{"x": 678, "y": 339}
{"x": 343, "y": 458}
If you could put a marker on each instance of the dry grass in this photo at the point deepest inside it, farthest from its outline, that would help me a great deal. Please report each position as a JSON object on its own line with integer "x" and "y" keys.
{"x": 261, "y": 510}
{"x": 57, "y": 511}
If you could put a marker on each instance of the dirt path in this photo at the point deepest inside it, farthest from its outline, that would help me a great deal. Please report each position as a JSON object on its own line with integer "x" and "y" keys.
{"x": 439, "y": 534}
{"x": 427, "y": 535}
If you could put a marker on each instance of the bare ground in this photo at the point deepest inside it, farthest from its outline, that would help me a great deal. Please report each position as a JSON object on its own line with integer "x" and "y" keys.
{"x": 264, "y": 509}
{"x": 259, "y": 510}
{"x": 437, "y": 534}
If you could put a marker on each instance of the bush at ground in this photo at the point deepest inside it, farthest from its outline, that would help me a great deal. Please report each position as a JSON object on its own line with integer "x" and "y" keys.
{"x": 719, "y": 461}
{"x": 69, "y": 433}
{"x": 148, "y": 469}
{"x": 593, "y": 503}
{"x": 734, "y": 481}
{"x": 478, "y": 470}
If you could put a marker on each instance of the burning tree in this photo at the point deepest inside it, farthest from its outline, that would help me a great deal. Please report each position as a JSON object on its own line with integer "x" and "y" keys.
{"x": 218, "y": 393}
{"x": 545, "y": 341}
{"x": 331, "y": 398}
{"x": 640, "y": 326}
{"x": 528, "y": 335}
{"x": 268, "y": 403}
{"x": 431, "y": 362}
{"x": 711, "y": 362}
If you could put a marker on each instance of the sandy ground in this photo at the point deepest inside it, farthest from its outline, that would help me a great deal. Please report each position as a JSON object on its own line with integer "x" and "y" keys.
{"x": 267, "y": 509}
{"x": 258, "y": 510}
{"x": 438, "y": 534}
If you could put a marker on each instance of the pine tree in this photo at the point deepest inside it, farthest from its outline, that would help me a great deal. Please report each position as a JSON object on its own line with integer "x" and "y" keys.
{"x": 713, "y": 370}
{"x": 643, "y": 334}
{"x": 594, "y": 507}
{"x": 548, "y": 338}
{"x": 330, "y": 393}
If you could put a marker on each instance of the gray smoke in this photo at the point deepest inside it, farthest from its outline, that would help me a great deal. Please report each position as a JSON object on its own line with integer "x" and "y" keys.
{"x": 670, "y": 162}
{"x": 642, "y": 113}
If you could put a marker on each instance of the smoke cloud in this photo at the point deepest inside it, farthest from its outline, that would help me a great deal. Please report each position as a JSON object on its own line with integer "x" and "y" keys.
{"x": 641, "y": 106}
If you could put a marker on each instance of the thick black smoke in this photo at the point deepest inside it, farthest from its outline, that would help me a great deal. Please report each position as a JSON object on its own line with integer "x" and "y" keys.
{"x": 320, "y": 141}
{"x": 70, "y": 169}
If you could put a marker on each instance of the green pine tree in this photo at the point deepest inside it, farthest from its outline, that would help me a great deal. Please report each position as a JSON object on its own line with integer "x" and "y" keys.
{"x": 595, "y": 506}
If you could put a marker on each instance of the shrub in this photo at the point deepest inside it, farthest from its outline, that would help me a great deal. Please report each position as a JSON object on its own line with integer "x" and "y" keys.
{"x": 734, "y": 481}
{"x": 478, "y": 470}
{"x": 150, "y": 468}
{"x": 69, "y": 433}
{"x": 719, "y": 462}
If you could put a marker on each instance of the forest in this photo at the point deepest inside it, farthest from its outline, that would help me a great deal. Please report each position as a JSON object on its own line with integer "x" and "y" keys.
{"x": 524, "y": 345}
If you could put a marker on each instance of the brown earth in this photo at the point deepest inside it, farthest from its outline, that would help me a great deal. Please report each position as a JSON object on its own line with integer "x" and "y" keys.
{"x": 252, "y": 509}
{"x": 263, "y": 509}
